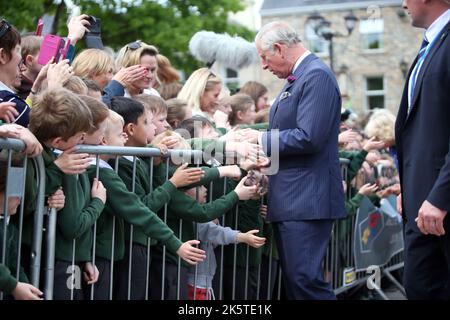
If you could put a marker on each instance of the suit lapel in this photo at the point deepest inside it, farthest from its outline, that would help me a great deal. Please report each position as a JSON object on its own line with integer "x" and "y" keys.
{"x": 425, "y": 66}
{"x": 298, "y": 74}
{"x": 274, "y": 109}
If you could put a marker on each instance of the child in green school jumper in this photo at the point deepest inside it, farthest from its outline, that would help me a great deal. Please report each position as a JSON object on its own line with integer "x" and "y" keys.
{"x": 59, "y": 120}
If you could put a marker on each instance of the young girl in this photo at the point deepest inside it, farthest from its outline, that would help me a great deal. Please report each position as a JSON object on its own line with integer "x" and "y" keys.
{"x": 243, "y": 109}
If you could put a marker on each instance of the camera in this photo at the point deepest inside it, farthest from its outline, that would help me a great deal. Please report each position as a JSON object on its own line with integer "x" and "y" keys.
{"x": 93, "y": 38}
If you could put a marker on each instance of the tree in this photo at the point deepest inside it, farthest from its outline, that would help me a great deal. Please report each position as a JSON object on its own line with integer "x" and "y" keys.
{"x": 167, "y": 24}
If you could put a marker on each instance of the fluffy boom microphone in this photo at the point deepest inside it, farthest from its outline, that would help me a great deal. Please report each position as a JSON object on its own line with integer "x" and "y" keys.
{"x": 233, "y": 52}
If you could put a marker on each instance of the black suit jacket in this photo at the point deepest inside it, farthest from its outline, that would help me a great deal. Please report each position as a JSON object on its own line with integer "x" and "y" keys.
{"x": 423, "y": 135}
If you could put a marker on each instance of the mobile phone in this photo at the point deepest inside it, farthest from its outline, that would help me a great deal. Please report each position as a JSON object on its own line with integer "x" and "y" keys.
{"x": 52, "y": 46}
{"x": 93, "y": 38}
{"x": 39, "y": 27}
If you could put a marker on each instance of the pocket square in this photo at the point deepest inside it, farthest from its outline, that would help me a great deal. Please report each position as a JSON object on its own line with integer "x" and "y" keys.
{"x": 285, "y": 95}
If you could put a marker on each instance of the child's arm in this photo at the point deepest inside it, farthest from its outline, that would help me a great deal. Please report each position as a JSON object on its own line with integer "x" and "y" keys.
{"x": 189, "y": 209}
{"x": 74, "y": 220}
{"x": 250, "y": 238}
{"x": 216, "y": 234}
{"x": 354, "y": 203}
{"x": 128, "y": 205}
{"x": 19, "y": 290}
{"x": 7, "y": 281}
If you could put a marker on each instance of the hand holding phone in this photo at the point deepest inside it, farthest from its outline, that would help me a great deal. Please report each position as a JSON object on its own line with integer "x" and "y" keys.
{"x": 51, "y": 46}
{"x": 93, "y": 38}
{"x": 39, "y": 27}
{"x": 78, "y": 26}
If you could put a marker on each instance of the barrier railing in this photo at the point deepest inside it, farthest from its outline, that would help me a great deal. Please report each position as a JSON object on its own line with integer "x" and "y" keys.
{"x": 337, "y": 265}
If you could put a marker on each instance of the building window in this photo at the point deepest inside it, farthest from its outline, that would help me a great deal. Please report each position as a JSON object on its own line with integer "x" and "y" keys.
{"x": 231, "y": 79}
{"x": 316, "y": 44}
{"x": 375, "y": 92}
{"x": 372, "y": 34}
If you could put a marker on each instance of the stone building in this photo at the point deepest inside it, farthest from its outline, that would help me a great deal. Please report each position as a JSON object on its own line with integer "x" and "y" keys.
{"x": 370, "y": 63}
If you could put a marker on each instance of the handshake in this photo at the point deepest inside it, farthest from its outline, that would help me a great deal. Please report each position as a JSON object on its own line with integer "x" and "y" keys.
{"x": 256, "y": 178}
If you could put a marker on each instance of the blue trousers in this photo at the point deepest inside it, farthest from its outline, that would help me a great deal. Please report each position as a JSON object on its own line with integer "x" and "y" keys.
{"x": 302, "y": 246}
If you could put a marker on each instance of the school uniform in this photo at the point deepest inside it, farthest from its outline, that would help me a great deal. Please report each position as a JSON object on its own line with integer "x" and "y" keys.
{"x": 74, "y": 231}
{"x": 152, "y": 200}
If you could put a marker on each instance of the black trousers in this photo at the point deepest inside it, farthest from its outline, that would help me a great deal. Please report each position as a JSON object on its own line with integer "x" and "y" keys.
{"x": 138, "y": 273}
{"x": 267, "y": 285}
{"x": 170, "y": 281}
{"x": 240, "y": 283}
{"x": 67, "y": 283}
{"x": 427, "y": 264}
{"x": 102, "y": 286}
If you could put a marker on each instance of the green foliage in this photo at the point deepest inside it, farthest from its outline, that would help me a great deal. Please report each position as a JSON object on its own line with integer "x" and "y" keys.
{"x": 167, "y": 24}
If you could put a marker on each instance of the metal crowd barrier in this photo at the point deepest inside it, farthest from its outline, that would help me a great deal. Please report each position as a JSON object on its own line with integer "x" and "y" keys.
{"x": 337, "y": 265}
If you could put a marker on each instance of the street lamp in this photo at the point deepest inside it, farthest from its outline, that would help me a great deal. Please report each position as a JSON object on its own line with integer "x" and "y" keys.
{"x": 322, "y": 28}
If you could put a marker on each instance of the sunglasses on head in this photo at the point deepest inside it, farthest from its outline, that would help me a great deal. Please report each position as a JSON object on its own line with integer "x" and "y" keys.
{"x": 4, "y": 28}
{"x": 134, "y": 45}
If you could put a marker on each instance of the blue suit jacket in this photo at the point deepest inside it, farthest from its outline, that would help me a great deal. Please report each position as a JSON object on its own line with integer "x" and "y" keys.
{"x": 308, "y": 184}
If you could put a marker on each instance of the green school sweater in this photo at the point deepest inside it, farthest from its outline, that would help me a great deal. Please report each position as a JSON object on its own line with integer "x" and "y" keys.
{"x": 8, "y": 281}
{"x": 76, "y": 219}
{"x": 128, "y": 208}
{"x": 189, "y": 211}
{"x": 153, "y": 199}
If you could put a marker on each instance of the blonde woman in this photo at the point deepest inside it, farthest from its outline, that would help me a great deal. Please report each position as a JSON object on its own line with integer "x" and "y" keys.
{"x": 94, "y": 64}
{"x": 142, "y": 54}
{"x": 201, "y": 91}
{"x": 381, "y": 125}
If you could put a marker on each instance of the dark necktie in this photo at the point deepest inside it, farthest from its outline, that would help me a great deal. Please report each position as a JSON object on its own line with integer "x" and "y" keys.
{"x": 414, "y": 74}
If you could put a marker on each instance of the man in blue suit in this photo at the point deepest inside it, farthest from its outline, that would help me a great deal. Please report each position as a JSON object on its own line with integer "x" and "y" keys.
{"x": 422, "y": 133}
{"x": 306, "y": 194}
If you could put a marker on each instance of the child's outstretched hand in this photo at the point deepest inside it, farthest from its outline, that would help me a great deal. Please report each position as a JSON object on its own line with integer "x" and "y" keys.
{"x": 367, "y": 189}
{"x": 250, "y": 238}
{"x": 25, "y": 291}
{"x": 185, "y": 176}
{"x": 191, "y": 254}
